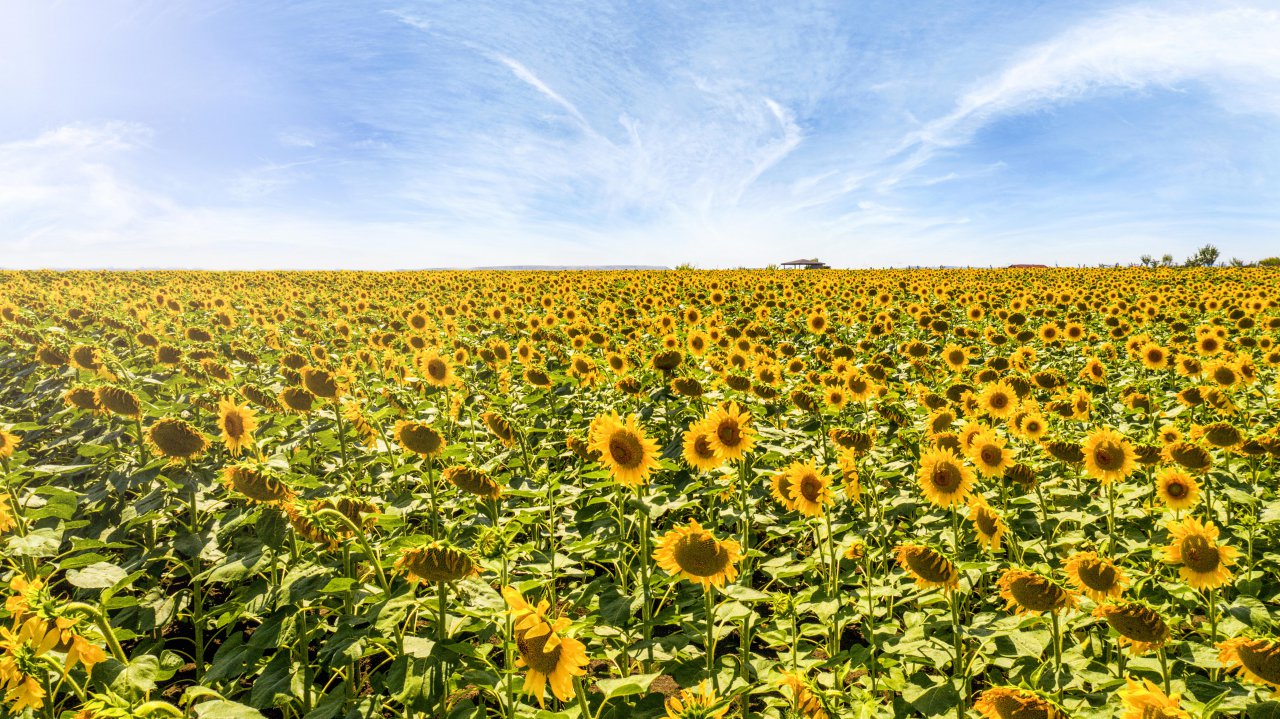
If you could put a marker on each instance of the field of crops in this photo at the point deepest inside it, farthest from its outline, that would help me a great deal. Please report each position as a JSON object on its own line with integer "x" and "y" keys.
{"x": 1000, "y": 494}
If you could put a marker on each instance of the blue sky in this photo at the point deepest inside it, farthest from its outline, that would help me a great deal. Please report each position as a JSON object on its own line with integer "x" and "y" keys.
{"x": 380, "y": 135}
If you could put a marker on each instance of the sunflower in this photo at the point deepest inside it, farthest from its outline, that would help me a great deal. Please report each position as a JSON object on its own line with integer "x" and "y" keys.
{"x": 8, "y": 441}
{"x": 695, "y": 554}
{"x": 698, "y": 451}
{"x": 1194, "y": 546}
{"x": 988, "y": 525}
{"x": 1189, "y": 455}
{"x": 1014, "y": 703}
{"x": 1144, "y": 700}
{"x": 848, "y": 461}
{"x": 997, "y": 400}
{"x": 436, "y": 562}
{"x": 256, "y": 484}
{"x": 730, "y": 432}
{"x": 83, "y": 398}
{"x": 1177, "y": 489}
{"x": 236, "y": 423}
{"x": 943, "y": 478}
{"x": 525, "y": 616}
{"x": 474, "y": 481}
{"x": 176, "y": 439}
{"x": 1098, "y": 578}
{"x": 1154, "y": 357}
{"x": 804, "y": 700}
{"x": 1139, "y": 626}
{"x": 419, "y": 437}
{"x": 1028, "y": 592}
{"x": 500, "y": 427}
{"x": 699, "y": 702}
{"x": 321, "y": 382}
{"x": 551, "y": 657}
{"x": 1255, "y": 659}
{"x": 990, "y": 455}
{"x": 297, "y": 399}
{"x": 120, "y": 401}
{"x": 808, "y": 489}
{"x": 955, "y": 356}
{"x": 1108, "y": 456}
{"x": 927, "y": 566}
{"x": 1031, "y": 425}
{"x": 624, "y": 448}
{"x": 434, "y": 369}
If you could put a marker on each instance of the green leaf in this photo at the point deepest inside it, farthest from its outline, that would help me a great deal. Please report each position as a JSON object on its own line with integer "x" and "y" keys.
{"x": 626, "y": 686}
{"x": 42, "y": 542}
{"x": 96, "y": 576}
{"x": 223, "y": 709}
{"x": 418, "y": 647}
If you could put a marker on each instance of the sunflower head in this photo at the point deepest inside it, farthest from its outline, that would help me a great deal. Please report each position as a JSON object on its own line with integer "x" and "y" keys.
{"x": 1014, "y": 703}
{"x": 698, "y": 702}
{"x": 990, "y": 454}
{"x": 625, "y": 449}
{"x": 989, "y": 526}
{"x": 1139, "y": 626}
{"x": 808, "y": 489}
{"x": 1205, "y": 564}
{"x": 695, "y": 554}
{"x": 698, "y": 450}
{"x": 236, "y": 423}
{"x": 1177, "y": 489}
{"x": 944, "y": 478}
{"x": 729, "y": 431}
{"x": 1108, "y": 456}
{"x": 927, "y": 566}
{"x": 419, "y": 437}
{"x": 436, "y": 562}
{"x": 257, "y": 484}
{"x": 321, "y": 382}
{"x": 120, "y": 401}
{"x": 176, "y": 439}
{"x": 1144, "y": 700}
{"x": 1097, "y": 577}
{"x": 500, "y": 427}
{"x": 1028, "y": 592}
{"x": 473, "y": 481}
{"x": 1255, "y": 659}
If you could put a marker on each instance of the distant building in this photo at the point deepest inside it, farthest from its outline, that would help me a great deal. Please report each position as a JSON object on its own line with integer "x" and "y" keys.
{"x": 1028, "y": 267}
{"x": 813, "y": 264}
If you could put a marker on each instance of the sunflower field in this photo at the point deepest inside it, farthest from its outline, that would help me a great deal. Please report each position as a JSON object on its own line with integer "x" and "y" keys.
{"x": 1006, "y": 494}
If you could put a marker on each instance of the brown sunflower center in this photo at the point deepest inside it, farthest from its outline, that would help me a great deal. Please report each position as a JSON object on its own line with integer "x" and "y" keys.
{"x": 700, "y": 555}
{"x": 703, "y": 448}
{"x": 1176, "y": 489}
{"x": 945, "y": 477}
{"x": 986, "y": 522}
{"x": 729, "y": 433}
{"x": 625, "y": 449}
{"x": 1098, "y": 576}
{"x": 1036, "y": 593}
{"x": 991, "y": 455}
{"x": 1200, "y": 555}
{"x": 999, "y": 400}
{"x": 233, "y": 425}
{"x": 1109, "y": 456}
{"x": 534, "y": 652}
{"x": 437, "y": 369}
{"x": 1262, "y": 658}
{"x": 810, "y": 487}
{"x": 1137, "y": 623}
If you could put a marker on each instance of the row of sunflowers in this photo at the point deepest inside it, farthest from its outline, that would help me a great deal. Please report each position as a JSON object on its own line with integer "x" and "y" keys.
{"x": 999, "y": 494}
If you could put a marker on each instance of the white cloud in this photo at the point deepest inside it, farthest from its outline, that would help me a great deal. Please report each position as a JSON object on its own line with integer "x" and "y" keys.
{"x": 1233, "y": 49}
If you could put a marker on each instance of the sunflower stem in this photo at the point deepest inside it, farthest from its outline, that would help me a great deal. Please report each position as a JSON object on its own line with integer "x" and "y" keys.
{"x": 442, "y": 634}
{"x": 1111, "y": 519}
{"x": 1057, "y": 657}
{"x": 1164, "y": 669}
{"x": 647, "y": 607}
{"x": 710, "y": 645}
{"x": 342, "y": 435}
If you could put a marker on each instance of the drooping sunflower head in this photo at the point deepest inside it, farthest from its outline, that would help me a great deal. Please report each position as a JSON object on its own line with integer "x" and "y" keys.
{"x": 501, "y": 428}
{"x": 625, "y": 450}
{"x": 257, "y": 484}
{"x": 120, "y": 401}
{"x": 944, "y": 478}
{"x": 927, "y": 566}
{"x": 1218, "y": 434}
{"x": 321, "y": 382}
{"x": 236, "y": 424}
{"x": 1144, "y": 700}
{"x": 551, "y": 657}
{"x": 1108, "y": 456}
{"x": 1205, "y": 564}
{"x": 1189, "y": 455}
{"x": 698, "y": 702}
{"x": 1255, "y": 659}
{"x": 1096, "y": 577}
{"x": 1014, "y": 703}
{"x": 695, "y": 554}
{"x": 297, "y": 400}
{"x": 1177, "y": 489}
{"x": 176, "y": 439}
{"x": 419, "y": 437}
{"x": 82, "y": 398}
{"x": 436, "y": 562}
{"x": 989, "y": 526}
{"x": 473, "y": 481}
{"x": 804, "y": 699}
{"x": 1139, "y": 626}
{"x": 1028, "y": 592}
